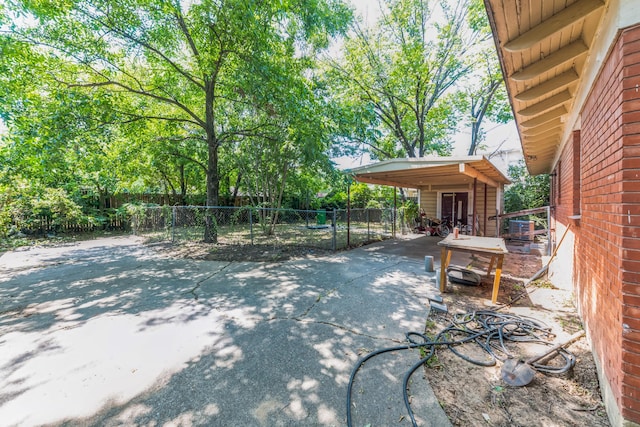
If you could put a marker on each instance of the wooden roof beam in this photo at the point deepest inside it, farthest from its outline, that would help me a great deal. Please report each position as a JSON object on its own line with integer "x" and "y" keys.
{"x": 558, "y": 82}
{"x": 369, "y": 180}
{"x": 544, "y": 118}
{"x": 537, "y": 130}
{"x": 556, "y": 23}
{"x": 475, "y": 173}
{"x": 543, "y": 136}
{"x": 547, "y": 104}
{"x": 541, "y": 150}
{"x": 568, "y": 53}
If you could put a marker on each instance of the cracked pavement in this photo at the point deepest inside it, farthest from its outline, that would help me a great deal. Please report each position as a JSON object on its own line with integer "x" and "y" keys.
{"x": 108, "y": 332}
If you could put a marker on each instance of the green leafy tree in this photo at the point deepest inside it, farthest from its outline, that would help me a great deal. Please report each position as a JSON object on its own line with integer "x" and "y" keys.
{"x": 196, "y": 64}
{"x": 290, "y": 136}
{"x": 483, "y": 97}
{"x": 394, "y": 80}
{"x": 361, "y": 194}
{"x": 56, "y": 137}
{"x": 36, "y": 208}
{"x": 526, "y": 191}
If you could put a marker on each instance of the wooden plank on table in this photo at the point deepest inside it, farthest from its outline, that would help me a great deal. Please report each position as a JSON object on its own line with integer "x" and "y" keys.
{"x": 475, "y": 243}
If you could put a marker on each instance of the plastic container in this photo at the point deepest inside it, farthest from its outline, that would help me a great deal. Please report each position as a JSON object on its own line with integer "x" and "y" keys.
{"x": 428, "y": 263}
{"x": 321, "y": 217}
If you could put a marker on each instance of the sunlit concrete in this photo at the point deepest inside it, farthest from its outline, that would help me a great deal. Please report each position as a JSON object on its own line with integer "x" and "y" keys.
{"x": 109, "y": 332}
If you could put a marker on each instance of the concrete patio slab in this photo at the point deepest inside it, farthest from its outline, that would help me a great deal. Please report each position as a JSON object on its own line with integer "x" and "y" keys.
{"x": 108, "y": 332}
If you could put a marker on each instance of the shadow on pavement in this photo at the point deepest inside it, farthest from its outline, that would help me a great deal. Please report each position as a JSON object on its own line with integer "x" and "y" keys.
{"x": 110, "y": 333}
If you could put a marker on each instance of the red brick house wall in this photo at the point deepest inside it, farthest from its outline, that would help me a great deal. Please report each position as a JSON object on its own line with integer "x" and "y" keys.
{"x": 630, "y": 223}
{"x": 598, "y": 178}
{"x": 566, "y": 181}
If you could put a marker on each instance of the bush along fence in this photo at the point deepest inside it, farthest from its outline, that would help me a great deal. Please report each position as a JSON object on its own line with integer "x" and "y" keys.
{"x": 323, "y": 229}
{"x": 44, "y": 225}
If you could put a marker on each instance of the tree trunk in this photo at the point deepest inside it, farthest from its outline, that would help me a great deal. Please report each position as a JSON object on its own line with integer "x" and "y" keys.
{"x": 475, "y": 133}
{"x": 234, "y": 196}
{"x": 183, "y": 187}
{"x": 213, "y": 179}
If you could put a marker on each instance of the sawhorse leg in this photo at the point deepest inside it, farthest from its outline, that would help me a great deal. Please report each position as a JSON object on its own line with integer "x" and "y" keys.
{"x": 496, "y": 280}
{"x": 445, "y": 258}
{"x": 491, "y": 263}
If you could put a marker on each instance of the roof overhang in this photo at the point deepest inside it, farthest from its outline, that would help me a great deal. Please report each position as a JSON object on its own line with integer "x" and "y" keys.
{"x": 424, "y": 171}
{"x": 543, "y": 47}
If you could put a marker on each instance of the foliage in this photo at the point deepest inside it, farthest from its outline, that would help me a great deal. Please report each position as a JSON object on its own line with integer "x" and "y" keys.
{"x": 483, "y": 96}
{"x": 271, "y": 160}
{"x": 526, "y": 191}
{"x": 361, "y": 194}
{"x": 28, "y": 208}
{"x": 202, "y": 68}
{"x": 220, "y": 98}
{"x": 336, "y": 199}
{"x": 393, "y": 82}
{"x": 409, "y": 210}
{"x": 5, "y": 211}
{"x": 374, "y": 204}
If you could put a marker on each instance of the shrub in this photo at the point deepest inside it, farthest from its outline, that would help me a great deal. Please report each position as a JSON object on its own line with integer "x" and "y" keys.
{"x": 37, "y": 209}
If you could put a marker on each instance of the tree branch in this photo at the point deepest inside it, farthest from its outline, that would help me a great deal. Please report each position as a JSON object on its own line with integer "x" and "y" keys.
{"x": 142, "y": 92}
{"x": 115, "y": 29}
{"x": 190, "y": 159}
{"x": 185, "y": 30}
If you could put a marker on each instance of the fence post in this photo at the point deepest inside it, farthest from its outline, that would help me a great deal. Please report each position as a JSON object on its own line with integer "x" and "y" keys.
{"x": 173, "y": 224}
{"x": 251, "y": 224}
{"x": 395, "y": 212}
{"x": 335, "y": 228}
{"x": 368, "y": 225}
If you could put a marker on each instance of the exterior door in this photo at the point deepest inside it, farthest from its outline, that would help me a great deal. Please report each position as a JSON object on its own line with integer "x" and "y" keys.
{"x": 454, "y": 206}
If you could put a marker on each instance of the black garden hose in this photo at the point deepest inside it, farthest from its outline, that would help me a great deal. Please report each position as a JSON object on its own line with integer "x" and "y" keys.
{"x": 488, "y": 330}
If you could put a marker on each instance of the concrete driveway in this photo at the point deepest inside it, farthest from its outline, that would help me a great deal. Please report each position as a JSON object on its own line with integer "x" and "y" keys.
{"x": 108, "y": 332}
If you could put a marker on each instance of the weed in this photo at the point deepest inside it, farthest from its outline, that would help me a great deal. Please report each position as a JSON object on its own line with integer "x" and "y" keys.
{"x": 569, "y": 323}
{"x": 544, "y": 284}
{"x": 423, "y": 352}
{"x": 430, "y": 325}
{"x": 433, "y": 361}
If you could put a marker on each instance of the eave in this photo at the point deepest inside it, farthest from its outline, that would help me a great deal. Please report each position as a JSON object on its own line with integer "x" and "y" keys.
{"x": 543, "y": 47}
{"x": 425, "y": 171}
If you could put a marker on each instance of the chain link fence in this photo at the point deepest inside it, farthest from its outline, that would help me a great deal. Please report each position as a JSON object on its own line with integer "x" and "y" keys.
{"x": 324, "y": 229}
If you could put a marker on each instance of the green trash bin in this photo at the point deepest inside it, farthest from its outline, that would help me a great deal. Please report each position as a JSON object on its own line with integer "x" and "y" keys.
{"x": 321, "y": 217}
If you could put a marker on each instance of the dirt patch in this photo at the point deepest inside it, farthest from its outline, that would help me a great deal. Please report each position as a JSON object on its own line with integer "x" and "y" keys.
{"x": 476, "y": 395}
{"x": 237, "y": 253}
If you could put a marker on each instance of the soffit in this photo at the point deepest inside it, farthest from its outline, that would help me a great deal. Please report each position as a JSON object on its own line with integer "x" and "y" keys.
{"x": 425, "y": 171}
{"x": 543, "y": 46}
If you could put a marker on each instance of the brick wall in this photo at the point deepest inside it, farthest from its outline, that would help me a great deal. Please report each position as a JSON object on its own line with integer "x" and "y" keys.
{"x": 600, "y": 178}
{"x": 598, "y": 239}
{"x": 630, "y": 222}
{"x": 567, "y": 180}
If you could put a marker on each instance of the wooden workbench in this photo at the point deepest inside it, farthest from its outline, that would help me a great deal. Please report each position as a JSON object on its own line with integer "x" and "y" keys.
{"x": 493, "y": 246}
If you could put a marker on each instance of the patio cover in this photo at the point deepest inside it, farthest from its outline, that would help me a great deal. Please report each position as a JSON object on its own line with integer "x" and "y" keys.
{"x": 424, "y": 171}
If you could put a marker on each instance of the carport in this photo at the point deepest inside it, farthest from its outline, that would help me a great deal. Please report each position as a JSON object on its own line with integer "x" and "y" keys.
{"x": 460, "y": 187}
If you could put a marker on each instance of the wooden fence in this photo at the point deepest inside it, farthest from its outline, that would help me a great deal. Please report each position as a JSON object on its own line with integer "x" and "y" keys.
{"x": 46, "y": 225}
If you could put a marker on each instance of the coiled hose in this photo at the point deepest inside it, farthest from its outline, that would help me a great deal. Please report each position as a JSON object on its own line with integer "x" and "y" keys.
{"x": 489, "y": 330}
